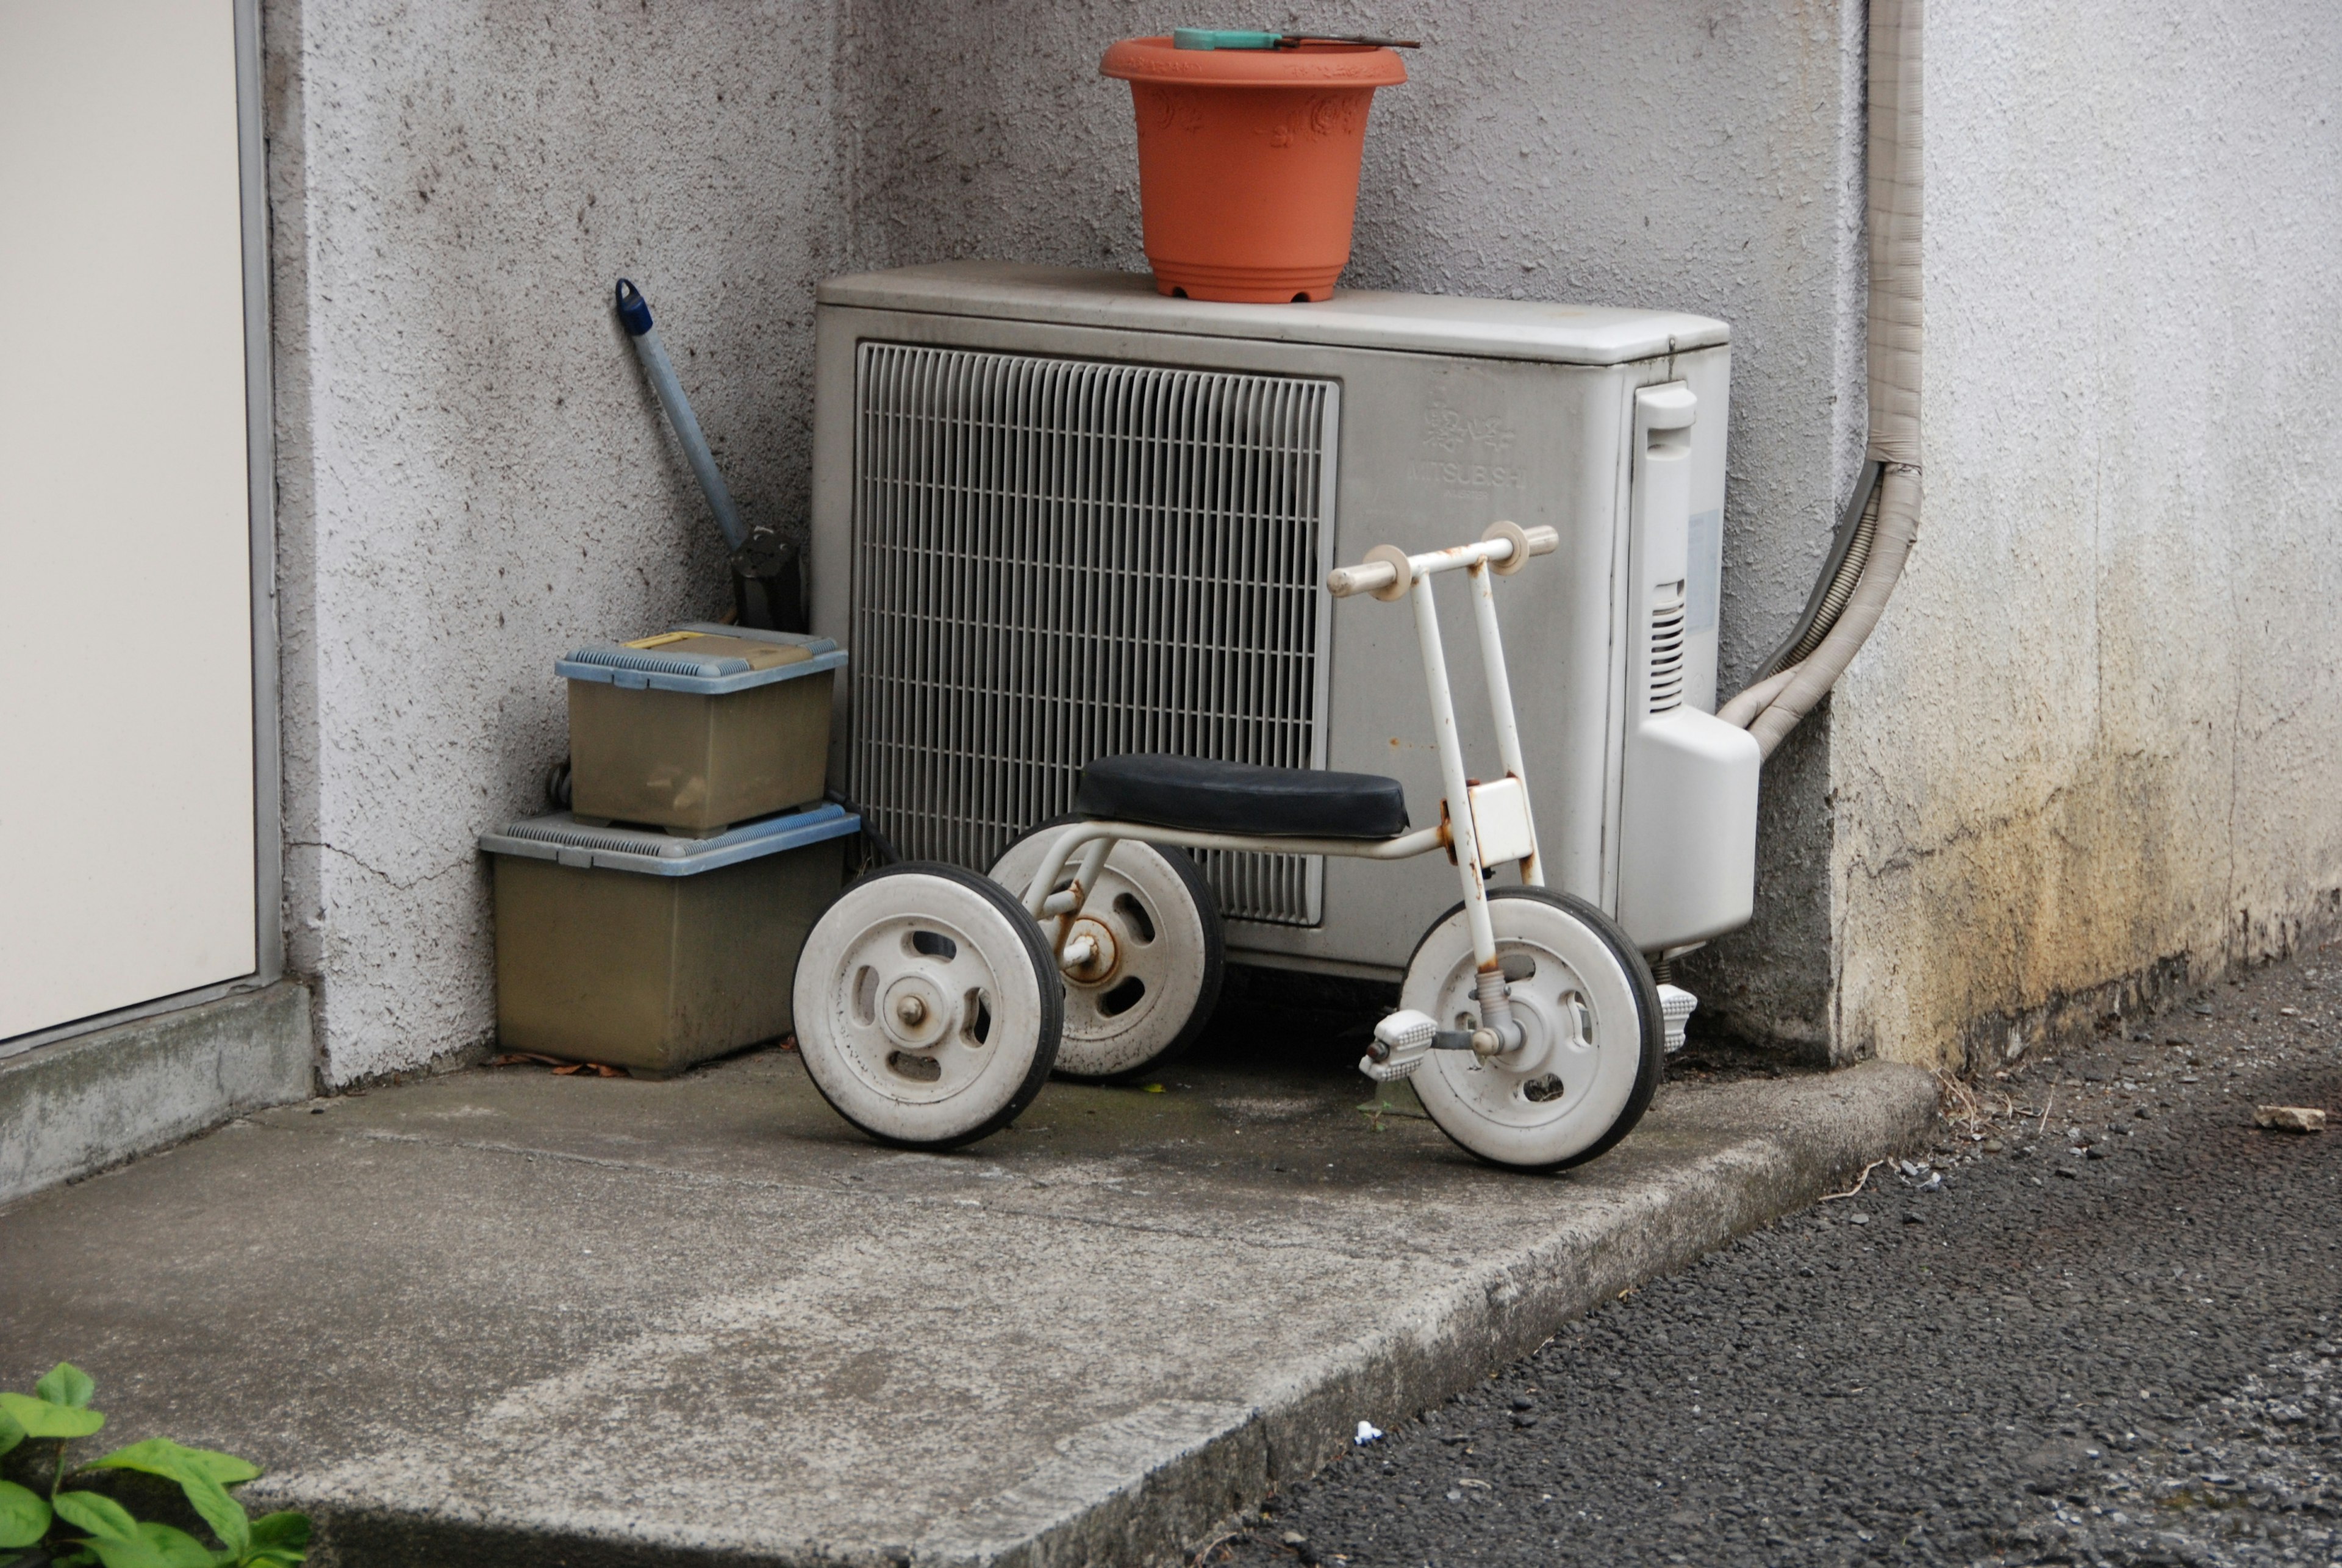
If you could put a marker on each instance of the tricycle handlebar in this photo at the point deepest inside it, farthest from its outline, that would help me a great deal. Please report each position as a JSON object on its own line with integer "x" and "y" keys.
{"x": 1387, "y": 573}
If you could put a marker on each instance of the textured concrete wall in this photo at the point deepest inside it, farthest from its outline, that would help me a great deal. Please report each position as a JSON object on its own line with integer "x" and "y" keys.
{"x": 473, "y": 478}
{"x": 1705, "y": 156}
{"x": 2093, "y": 746}
{"x": 2081, "y": 754}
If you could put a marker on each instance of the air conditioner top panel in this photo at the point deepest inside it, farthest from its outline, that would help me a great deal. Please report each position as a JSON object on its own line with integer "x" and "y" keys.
{"x": 1353, "y": 318}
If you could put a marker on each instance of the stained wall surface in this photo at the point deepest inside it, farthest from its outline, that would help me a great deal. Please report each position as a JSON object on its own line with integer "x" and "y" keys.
{"x": 2092, "y": 749}
{"x": 473, "y": 476}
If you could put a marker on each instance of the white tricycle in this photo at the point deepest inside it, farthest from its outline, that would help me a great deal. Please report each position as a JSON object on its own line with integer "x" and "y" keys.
{"x": 932, "y": 1002}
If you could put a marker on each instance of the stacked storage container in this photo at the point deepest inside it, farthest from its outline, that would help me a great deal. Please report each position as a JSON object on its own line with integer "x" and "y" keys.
{"x": 657, "y": 923}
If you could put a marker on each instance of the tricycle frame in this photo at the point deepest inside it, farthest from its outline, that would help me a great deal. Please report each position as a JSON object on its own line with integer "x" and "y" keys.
{"x": 1388, "y": 575}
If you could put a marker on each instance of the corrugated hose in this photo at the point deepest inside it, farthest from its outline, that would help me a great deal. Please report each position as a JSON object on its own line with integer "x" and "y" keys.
{"x": 1881, "y": 521}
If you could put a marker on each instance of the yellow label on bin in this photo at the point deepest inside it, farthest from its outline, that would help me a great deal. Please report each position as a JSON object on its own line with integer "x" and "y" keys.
{"x": 663, "y": 639}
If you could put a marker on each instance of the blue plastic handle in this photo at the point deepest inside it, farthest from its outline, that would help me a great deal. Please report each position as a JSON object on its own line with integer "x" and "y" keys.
{"x": 634, "y": 309}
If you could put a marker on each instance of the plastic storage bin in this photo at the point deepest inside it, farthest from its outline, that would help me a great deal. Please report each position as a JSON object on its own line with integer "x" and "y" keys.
{"x": 650, "y": 951}
{"x": 698, "y": 728}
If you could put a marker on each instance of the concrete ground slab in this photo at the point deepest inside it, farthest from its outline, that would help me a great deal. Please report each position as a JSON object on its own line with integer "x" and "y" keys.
{"x": 508, "y": 1316}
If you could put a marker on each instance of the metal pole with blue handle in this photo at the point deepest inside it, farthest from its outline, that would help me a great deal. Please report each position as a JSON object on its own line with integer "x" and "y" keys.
{"x": 635, "y": 313}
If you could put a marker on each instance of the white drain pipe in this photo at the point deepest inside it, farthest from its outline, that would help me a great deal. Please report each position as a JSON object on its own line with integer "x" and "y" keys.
{"x": 1770, "y": 708}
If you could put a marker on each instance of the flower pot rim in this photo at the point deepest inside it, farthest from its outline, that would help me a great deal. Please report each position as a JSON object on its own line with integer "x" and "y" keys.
{"x": 1311, "y": 65}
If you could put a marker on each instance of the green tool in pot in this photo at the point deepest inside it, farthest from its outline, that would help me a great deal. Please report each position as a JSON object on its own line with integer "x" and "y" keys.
{"x": 1241, "y": 38}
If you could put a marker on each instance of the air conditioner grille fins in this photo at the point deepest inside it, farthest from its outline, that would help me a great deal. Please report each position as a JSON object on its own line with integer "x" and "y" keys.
{"x": 1667, "y": 647}
{"x": 1059, "y": 559}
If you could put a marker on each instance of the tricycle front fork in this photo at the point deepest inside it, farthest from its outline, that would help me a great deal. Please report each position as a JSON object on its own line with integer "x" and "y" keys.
{"x": 1499, "y": 1031}
{"x": 1043, "y": 902}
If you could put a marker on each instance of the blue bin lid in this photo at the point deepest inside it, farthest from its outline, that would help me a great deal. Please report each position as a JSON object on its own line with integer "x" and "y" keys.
{"x": 703, "y": 659}
{"x": 561, "y": 838}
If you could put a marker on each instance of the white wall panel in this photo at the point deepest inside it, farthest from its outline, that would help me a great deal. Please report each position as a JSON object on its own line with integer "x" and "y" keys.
{"x": 127, "y": 770}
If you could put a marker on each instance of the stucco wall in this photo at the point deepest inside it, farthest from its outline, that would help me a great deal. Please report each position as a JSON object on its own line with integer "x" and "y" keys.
{"x": 2083, "y": 753}
{"x": 472, "y": 478}
{"x": 2092, "y": 748}
{"x": 1704, "y": 157}
{"x": 472, "y": 475}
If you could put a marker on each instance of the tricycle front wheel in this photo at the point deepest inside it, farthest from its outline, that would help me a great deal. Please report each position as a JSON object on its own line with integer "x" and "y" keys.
{"x": 1594, "y": 1038}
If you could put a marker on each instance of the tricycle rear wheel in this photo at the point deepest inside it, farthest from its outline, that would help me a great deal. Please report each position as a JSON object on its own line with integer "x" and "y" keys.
{"x": 1144, "y": 1006}
{"x": 929, "y": 1010}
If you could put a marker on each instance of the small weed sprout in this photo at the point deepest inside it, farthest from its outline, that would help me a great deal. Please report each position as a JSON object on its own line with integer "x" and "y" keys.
{"x": 82, "y": 1529}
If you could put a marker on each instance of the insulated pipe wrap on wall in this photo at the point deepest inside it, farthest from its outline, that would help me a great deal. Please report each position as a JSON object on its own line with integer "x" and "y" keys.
{"x": 1896, "y": 207}
{"x": 1742, "y": 710}
{"x": 1898, "y": 525}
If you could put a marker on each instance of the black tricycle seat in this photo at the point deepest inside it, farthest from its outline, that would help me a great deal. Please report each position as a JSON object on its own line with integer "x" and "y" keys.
{"x": 1201, "y": 796}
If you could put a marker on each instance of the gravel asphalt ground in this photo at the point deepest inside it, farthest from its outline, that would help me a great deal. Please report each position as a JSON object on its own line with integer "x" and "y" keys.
{"x": 2096, "y": 1325}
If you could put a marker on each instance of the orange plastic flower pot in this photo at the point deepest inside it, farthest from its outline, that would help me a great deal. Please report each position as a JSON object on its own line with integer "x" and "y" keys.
{"x": 1248, "y": 162}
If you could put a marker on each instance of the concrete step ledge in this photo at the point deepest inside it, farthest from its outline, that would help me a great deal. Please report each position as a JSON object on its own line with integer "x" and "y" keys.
{"x": 81, "y": 1104}
{"x": 508, "y": 1317}
{"x": 1160, "y": 1485}
{"x": 1148, "y": 1486}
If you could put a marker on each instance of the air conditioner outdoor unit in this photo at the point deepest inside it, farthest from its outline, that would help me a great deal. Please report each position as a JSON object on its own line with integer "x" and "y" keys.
{"x": 1057, "y": 515}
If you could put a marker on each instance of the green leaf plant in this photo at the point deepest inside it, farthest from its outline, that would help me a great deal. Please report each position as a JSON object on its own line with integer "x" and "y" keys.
{"x": 80, "y": 1529}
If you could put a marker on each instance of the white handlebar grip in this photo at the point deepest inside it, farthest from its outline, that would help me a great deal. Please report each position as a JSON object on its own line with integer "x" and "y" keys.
{"x": 1386, "y": 573}
{"x": 1544, "y": 541}
{"x": 1513, "y": 560}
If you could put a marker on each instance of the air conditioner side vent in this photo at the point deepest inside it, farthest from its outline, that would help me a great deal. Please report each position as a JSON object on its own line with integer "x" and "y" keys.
{"x": 1667, "y": 610}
